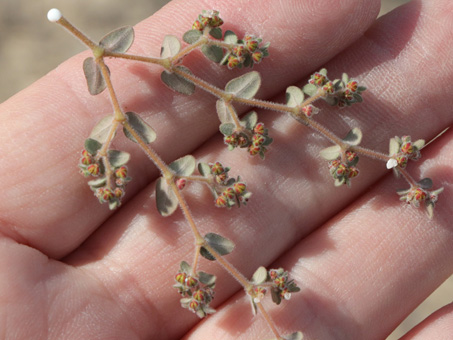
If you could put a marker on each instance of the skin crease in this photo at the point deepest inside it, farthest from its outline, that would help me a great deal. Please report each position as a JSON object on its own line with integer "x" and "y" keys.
{"x": 71, "y": 269}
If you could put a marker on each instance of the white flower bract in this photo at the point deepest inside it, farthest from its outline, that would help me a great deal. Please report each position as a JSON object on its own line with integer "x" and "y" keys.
{"x": 391, "y": 163}
{"x": 54, "y": 15}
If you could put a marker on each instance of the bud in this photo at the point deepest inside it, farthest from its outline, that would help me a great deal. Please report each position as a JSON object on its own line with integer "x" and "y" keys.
{"x": 239, "y": 50}
{"x": 233, "y": 61}
{"x": 228, "y": 193}
{"x": 318, "y": 79}
{"x": 257, "y": 140}
{"x": 352, "y": 86}
{"x": 221, "y": 202}
{"x": 407, "y": 148}
{"x": 121, "y": 172}
{"x": 402, "y": 161}
{"x": 329, "y": 88}
{"x": 118, "y": 192}
{"x": 199, "y": 295}
{"x": 181, "y": 278}
{"x": 351, "y": 156}
{"x": 254, "y": 150}
{"x": 353, "y": 172}
{"x": 197, "y": 25}
{"x": 231, "y": 140}
{"x": 251, "y": 43}
{"x": 181, "y": 183}
{"x": 94, "y": 169}
{"x": 217, "y": 168}
{"x": 239, "y": 188}
{"x": 194, "y": 305}
{"x": 257, "y": 56}
{"x": 259, "y": 129}
{"x": 191, "y": 282}
{"x": 259, "y": 294}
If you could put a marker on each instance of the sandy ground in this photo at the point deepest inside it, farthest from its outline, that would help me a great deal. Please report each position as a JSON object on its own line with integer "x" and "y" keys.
{"x": 29, "y": 49}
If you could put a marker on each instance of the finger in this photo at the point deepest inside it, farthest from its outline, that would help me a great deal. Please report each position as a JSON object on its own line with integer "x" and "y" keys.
{"x": 361, "y": 273}
{"x": 46, "y": 205}
{"x": 438, "y": 325}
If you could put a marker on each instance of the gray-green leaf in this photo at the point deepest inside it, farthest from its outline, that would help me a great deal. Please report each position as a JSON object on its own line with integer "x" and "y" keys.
{"x": 212, "y": 52}
{"x": 93, "y": 75}
{"x": 101, "y": 130}
{"x": 394, "y": 146}
{"x": 260, "y": 276}
{"x": 118, "y": 40}
{"x": 230, "y": 37}
{"x": 250, "y": 119}
{"x": 178, "y": 83}
{"x": 92, "y": 146}
{"x": 330, "y": 153}
{"x": 245, "y": 86}
{"x": 227, "y": 129}
{"x": 220, "y": 244}
{"x": 223, "y": 111}
{"x": 166, "y": 200}
{"x": 118, "y": 158}
{"x": 191, "y": 36}
{"x": 354, "y": 137}
{"x": 146, "y": 132}
{"x": 184, "y": 166}
{"x": 204, "y": 169}
{"x": 170, "y": 47}
{"x": 294, "y": 96}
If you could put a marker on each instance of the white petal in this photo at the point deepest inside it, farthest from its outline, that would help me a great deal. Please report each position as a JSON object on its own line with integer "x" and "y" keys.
{"x": 54, "y": 15}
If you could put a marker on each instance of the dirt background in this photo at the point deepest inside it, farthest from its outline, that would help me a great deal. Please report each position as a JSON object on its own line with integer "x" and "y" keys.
{"x": 29, "y": 49}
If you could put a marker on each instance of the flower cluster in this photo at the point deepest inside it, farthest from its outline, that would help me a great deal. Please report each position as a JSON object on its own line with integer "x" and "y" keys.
{"x": 106, "y": 189}
{"x": 339, "y": 92}
{"x": 254, "y": 140}
{"x": 342, "y": 172}
{"x": 282, "y": 286}
{"x": 209, "y": 19}
{"x": 402, "y": 150}
{"x": 228, "y": 191}
{"x": 246, "y": 52}
{"x": 197, "y": 291}
{"x": 417, "y": 195}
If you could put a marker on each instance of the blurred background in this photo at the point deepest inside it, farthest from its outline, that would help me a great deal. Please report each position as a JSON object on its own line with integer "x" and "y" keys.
{"x": 29, "y": 49}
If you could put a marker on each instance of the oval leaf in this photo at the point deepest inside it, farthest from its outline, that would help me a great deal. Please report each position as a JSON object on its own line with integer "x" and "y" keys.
{"x": 93, "y": 75}
{"x": 354, "y": 137}
{"x": 294, "y": 96}
{"x": 146, "y": 132}
{"x": 230, "y": 38}
{"x": 245, "y": 86}
{"x": 220, "y": 244}
{"x": 250, "y": 120}
{"x": 426, "y": 183}
{"x": 394, "y": 146}
{"x": 184, "y": 166}
{"x": 101, "y": 130}
{"x": 216, "y": 33}
{"x": 185, "y": 267}
{"x": 310, "y": 89}
{"x": 191, "y": 36}
{"x": 118, "y": 40}
{"x": 92, "y": 146}
{"x": 223, "y": 111}
{"x": 294, "y": 336}
{"x": 260, "y": 276}
{"x": 212, "y": 52}
{"x": 118, "y": 158}
{"x": 330, "y": 153}
{"x": 207, "y": 279}
{"x": 227, "y": 129}
{"x": 178, "y": 83}
{"x": 170, "y": 47}
{"x": 166, "y": 200}
{"x": 204, "y": 169}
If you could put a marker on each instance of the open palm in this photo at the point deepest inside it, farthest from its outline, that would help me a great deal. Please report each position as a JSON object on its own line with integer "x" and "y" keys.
{"x": 72, "y": 269}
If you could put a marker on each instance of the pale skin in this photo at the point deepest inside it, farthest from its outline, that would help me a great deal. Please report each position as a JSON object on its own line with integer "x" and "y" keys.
{"x": 72, "y": 269}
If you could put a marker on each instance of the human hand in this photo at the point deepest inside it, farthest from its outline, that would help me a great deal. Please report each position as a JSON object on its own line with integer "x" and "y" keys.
{"x": 72, "y": 269}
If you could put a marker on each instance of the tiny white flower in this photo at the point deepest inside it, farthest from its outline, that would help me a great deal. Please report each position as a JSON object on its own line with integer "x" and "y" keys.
{"x": 391, "y": 163}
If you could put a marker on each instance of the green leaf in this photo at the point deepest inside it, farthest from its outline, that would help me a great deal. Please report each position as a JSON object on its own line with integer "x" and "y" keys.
{"x": 227, "y": 129}
{"x": 178, "y": 83}
{"x": 207, "y": 279}
{"x": 332, "y": 101}
{"x": 249, "y": 121}
{"x": 230, "y": 37}
{"x": 98, "y": 183}
{"x": 426, "y": 183}
{"x": 185, "y": 267}
{"x": 192, "y": 36}
{"x": 92, "y": 146}
{"x": 118, "y": 158}
{"x": 419, "y": 144}
{"x": 354, "y": 137}
{"x": 394, "y": 146}
{"x": 166, "y": 200}
{"x": 223, "y": 111}
{"x": 220, "y": 244}
{"x": 216, "y": 33}
{"x": 345, "y": 78}
{"x": 330, "y": 153}
{"x": 294, "y": 96}
{"x": 294, "y": 336}
{"x": 323, "y": 71}
{"x": 101, "y": 130}
{"x": 170, "y": 47}
{"x": 260, "y": 276}
{"x": 212, "y": 52}
{"x": 310, "y": 89}
{"x": 184, "y": 166}
{"x": 146, "y": 132}
{"x": 204, "y": 169}
{"x": 93, "y": 75}
{"x": 119, "y": 40}
{"x": 276, "y": 298}
{"x": 245, "y": 86}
